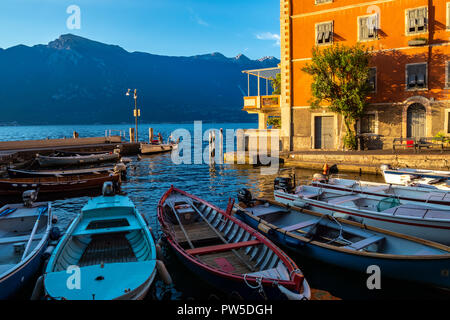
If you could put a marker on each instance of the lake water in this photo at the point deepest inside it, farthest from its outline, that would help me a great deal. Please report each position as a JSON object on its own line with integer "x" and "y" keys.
{"x": 150, "y": 177}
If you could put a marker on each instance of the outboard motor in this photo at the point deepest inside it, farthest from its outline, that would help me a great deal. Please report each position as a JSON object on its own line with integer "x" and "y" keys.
{"x": 108, "y": 189}
{"x": 122, "y": 169}
{"x": 319, "y": 177}
{"x": 245, "y": 196}
{"x": 29, "y": 197}
{"x": 284, "y": 184}
{"x": 385, "y": 167}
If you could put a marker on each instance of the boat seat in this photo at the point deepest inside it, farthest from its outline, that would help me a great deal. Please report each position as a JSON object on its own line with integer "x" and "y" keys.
{"x": 339, "y": 200}
{"x": 222, "y": 247}
{"x": 301, "y": 225}
{"x": 107, "y": 230}
{"x": 378, "y": 189}
{"x": 17, "y": 239}
{"x": 280, "y": 272}
{"x": 260, "y": 211}
{"x": 364, "y": 243}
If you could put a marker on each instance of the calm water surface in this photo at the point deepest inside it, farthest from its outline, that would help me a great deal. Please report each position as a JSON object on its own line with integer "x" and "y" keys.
{"x": 150, "y": 177}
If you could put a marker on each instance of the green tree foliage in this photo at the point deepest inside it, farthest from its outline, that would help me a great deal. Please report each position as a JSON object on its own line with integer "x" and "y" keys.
{"x": 276, "y": 84}
{"x": 275, "y": 122}
{"x": 340, "y": 82}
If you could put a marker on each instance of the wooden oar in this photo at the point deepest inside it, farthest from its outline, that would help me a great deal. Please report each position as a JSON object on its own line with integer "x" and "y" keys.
{"x": 41, "y": 210}
{"x": 220, "y": 236}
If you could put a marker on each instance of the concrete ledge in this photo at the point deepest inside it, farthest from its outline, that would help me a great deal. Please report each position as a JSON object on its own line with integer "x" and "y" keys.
{"x": 368, "y": 163}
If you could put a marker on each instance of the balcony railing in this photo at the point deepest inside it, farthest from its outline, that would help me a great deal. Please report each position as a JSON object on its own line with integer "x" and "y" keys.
{"x": 261, "y": 103}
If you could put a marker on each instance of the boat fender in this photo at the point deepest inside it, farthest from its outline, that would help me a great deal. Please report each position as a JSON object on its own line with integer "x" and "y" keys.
{"x": 306, "y": 295}
{"x": 159, "y": 254}
{"x": 55, "y": 233}
{"x": 163, "y": 273}
{"x": 48, "y": 252}
{"x": 54, "y": 219}
{"x": 38, "y": 291}
{"x": 263, "y": 228}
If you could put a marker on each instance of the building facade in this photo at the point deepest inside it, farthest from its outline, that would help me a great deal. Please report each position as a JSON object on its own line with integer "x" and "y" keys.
{"x": 410, "y": 64}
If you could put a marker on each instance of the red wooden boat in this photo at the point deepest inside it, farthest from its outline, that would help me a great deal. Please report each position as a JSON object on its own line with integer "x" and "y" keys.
{"x": 56, "y": 185}
{"x": 226, "y": 252}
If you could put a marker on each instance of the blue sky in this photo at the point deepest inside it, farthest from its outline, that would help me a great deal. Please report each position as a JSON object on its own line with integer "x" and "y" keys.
{"x": 167, "y": 27}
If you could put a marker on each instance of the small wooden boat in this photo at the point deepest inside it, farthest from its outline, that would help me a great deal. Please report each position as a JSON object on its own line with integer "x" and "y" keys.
{"x": 349, "y": 244}
{"x": 56, "y": 185}
{"x": 404, "y": 193}
{"x": 417, "y": 177}
{"x": 24, "y": 236}
{"x": 149, "y": 148}
{"x": 16, "y": 173}
{"x": 75, "y": 160}
{"x": 112, "y": 247}
{"x": 427, "y": 221}
{"x": 227, "y": 253}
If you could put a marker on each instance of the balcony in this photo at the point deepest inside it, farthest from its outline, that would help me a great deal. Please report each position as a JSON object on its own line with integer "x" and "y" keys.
{"x": 268, "y": 103}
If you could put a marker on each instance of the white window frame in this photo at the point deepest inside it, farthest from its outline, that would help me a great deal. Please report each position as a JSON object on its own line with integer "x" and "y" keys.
{"x": 447, "y": 14}
{"x": 407, "y": 22}
{"x": 359, "y": 26}
{"x": 447, "y": 75}
{"x": 426, "y": 77}
{"x": 325, "y": 2}
{"x": 331, "y": 35}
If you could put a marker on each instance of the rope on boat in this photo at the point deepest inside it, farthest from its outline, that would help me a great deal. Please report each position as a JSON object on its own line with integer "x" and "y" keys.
{"x": 258, "y": 287}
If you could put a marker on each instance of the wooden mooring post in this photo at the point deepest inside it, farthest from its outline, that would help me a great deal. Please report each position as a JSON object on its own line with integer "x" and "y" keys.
{"x": 150, "y": 135}
{"x": 131, "y": 134}
{"x": 212, "y": 148}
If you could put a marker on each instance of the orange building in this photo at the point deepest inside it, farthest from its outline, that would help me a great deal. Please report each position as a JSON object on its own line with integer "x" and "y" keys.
{"x": 409, "y": 40}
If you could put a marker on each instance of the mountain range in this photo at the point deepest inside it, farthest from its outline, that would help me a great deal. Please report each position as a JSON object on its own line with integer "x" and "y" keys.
{"x": 74, "y": 80}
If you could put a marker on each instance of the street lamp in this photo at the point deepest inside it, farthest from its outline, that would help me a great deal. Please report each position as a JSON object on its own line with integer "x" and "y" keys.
{"x": 137, "y": 112}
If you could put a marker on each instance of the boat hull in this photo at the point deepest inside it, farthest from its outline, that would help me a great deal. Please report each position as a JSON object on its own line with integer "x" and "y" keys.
{"x": 156, "y": 148}
{"x": 236, "y": 289}
{"x": 11, "y": 283}
{"x": 432, "y": 272}
{"x": 45, "y": 161}
{"x": 418, "y": 198}
{"x": 431, "y": 230}
{"x": 16, "y": 187}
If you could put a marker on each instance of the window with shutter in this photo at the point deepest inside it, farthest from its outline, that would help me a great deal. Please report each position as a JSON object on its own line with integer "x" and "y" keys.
{"x": 368, "y": 27}
{"x": 448, "y": 15}
{"x": 416, "y": 76}
{"x": 447, "y": 74}
{"x": 324, "y": 33}
{"x": 417, "y": 20}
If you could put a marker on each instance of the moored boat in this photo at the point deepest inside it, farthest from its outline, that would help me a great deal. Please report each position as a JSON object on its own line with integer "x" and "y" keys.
{"x": 22, "y": 173}
{"x": 57, "y": 185}
{"x": 113, "y": 248}
{"x": 75, "y": 160}
{"x": 227, "y": 253}
{"x": 427, "y": 221}
{"x": 346, "y": 243}
{"x": 24, "y": 236}
{"x": 432, "y": 179}
{"x": 405, "y": 193}
{"x": 150, "y": 148}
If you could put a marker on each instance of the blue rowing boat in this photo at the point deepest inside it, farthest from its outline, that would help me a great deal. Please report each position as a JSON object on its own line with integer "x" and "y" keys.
{"x": 107, "y": 253}
{"x": 347, "y": 243}
{"x": 24, "y": 236}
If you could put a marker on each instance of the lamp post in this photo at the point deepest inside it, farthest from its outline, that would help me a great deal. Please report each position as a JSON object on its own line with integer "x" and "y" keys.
{"x": 137, "y": 112}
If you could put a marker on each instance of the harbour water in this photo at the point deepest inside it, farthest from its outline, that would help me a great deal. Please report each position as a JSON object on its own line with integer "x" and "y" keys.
{"x": 151, "y": 176}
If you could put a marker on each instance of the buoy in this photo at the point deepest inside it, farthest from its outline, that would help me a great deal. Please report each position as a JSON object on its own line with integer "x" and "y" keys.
{"x": 325, "y": 169}
{"x": 48, "y": 252}
{"x": 38, "y": 291}
{"x": 54, "y": 219}
{"x": 163, "y": 273}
